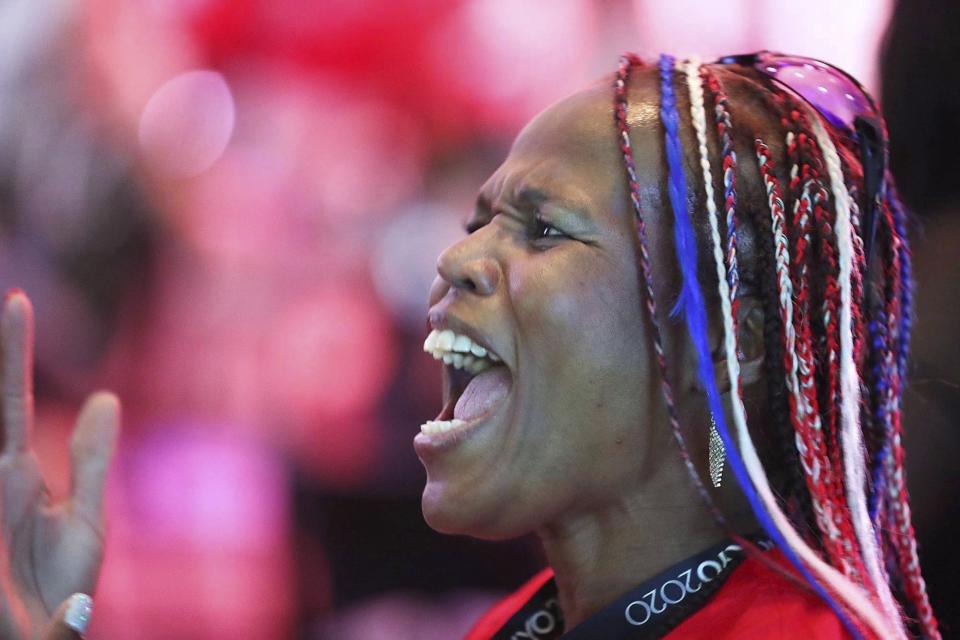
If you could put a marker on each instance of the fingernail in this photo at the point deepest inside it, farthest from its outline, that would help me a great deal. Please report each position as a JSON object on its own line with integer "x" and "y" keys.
{"x": 79, "y": 610}
{"x": 12, "y": 291}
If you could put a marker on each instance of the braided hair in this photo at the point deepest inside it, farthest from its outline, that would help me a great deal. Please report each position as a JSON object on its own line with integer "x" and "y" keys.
{"x": 835, "y": 364}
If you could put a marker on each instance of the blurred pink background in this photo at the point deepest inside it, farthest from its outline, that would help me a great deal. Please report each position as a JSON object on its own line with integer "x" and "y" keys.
{"x": 229, "y": 212}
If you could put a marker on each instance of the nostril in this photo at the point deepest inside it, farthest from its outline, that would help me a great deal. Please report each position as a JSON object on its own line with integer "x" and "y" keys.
{"x": 466, "y": 284}
{"x": 479, "y": 275}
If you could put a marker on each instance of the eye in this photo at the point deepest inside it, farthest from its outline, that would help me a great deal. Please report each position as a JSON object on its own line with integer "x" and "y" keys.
{"x": 543, "y": 229}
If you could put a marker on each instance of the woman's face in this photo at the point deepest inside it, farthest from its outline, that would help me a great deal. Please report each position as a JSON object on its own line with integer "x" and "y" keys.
{"x": 547, "y": 279}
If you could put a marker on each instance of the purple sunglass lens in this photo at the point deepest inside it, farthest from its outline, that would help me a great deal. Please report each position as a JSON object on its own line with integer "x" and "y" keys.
{"x": 838, "y": 98}
{"x": 845, "y": 105}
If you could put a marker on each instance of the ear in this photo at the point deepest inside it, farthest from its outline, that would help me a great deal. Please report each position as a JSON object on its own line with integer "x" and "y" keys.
{"x": 750, "y": 324}
{"x": 749, "y": 343}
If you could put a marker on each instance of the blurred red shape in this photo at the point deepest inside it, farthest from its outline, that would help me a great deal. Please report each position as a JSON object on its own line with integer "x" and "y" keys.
{"x": 328, "y": 354}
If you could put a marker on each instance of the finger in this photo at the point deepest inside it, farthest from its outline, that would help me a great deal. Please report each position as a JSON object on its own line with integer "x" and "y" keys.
{"x": 91, "y": 449}
{"x": 16, "y": 333}
{"x": 72, "y": 618}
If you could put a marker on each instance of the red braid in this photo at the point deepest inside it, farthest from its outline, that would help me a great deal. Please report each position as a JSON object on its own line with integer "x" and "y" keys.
{"x": 811, "y": 196}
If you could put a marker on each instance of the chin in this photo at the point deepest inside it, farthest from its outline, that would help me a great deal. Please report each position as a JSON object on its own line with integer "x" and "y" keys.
{"x": 487, "y": 519}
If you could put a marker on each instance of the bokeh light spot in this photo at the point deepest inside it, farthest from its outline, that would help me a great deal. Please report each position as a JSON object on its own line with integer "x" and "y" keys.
{"x": 187, "y": 124}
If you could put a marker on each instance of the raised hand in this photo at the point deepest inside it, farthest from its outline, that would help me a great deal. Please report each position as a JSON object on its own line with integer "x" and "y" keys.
{"x": 48, "y": 549}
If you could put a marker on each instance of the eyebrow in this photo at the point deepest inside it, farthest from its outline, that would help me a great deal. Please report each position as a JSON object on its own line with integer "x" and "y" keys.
{"x": 527, "y": 195}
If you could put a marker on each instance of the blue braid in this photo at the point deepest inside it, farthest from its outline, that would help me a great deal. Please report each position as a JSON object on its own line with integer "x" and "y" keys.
{"x": 881, "y": 341}
{"x": 906, "y": 281}
{"x": 694, "y": 310}
{"x": 877, "y": 329}
{"x": 683, "y": 236}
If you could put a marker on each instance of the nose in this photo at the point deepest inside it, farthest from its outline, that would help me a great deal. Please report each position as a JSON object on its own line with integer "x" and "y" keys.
{"x": 468, "y": 265}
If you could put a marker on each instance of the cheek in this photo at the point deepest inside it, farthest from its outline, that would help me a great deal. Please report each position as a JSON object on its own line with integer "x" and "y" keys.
{"x": 581, "y": 324}
{"x": 585, "y": 381}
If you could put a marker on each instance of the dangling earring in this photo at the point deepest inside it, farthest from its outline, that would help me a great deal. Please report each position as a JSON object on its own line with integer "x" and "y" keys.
{"x": 717, "y": 454}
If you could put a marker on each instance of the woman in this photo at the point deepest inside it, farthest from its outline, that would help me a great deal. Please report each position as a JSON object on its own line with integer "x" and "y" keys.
{"x": 769, "y": 222}
{"x": 577, "y": 405}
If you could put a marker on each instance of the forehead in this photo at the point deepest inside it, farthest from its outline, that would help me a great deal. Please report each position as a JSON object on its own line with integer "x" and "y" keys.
{"x": 570, "y": 145}
{"x": 571, "y": 150}
{"x": 580, "y": 124}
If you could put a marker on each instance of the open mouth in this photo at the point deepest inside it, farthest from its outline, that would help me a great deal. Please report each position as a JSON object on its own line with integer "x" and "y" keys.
{"x": 475, "y": 380}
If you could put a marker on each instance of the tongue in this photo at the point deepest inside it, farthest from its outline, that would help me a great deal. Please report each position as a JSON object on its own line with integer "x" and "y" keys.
{"x": 483, "y": 392}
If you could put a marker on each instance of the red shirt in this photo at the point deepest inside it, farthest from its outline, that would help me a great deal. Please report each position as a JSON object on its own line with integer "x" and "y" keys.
{"x": 754, "y": 602}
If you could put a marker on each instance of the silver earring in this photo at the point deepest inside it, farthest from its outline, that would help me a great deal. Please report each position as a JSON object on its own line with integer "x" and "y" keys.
{"x": 717, "y": 454}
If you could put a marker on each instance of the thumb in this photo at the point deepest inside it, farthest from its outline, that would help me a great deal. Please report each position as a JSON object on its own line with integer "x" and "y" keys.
{"x": 90, "y": 451}
{"x": 71, "y": 618}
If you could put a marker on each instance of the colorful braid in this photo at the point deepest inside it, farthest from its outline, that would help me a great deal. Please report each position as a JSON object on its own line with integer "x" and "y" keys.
{"x": 820, "y": 359}
{"x": 906, "y": 275}
{"x": 727, "y": 288}
{"x": 684, "y": 237}
{"x": 729, "y": 164}
{"x": 729, "y": 155}
{"x": 830, "y": 314}
{"x": 897, "y": 298}
{"x": 874, "y": 336}
{"x": 852, "y": 594}
{"x": 796, "y": 402}
{"x": 884, "y": 331}
{"x": 889, "y": 472}
{"x": 810, "y": 197}
{"x": 808, "y": 193}
{"x": 699, "y": 119}
{"x": 880, "y": 350}
{"x": 851, "y": 435}
{"x": 858, "y": 271}
{"x": 696, "y": 82}
{"x": 830, "y": 363}
{"x": 873, "y": 419}
{"x": 799, "y": 500}
{"x": 761, "y": 499}
{"x": 884, "y": 388}
{"x": 626, "y": 149}
{"x": 798, "y": 357}
{"x": 886, "y": 375}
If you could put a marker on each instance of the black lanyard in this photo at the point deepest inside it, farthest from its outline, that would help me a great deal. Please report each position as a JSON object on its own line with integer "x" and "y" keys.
{"x": 647, "y": 611}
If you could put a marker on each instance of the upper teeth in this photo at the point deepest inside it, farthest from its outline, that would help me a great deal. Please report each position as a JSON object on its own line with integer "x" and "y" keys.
{"x": 459, "y": 350}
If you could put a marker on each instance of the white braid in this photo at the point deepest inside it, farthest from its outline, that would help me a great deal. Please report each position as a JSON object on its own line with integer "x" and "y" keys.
{"x": 785, "y": 290}
{"x": 698, "y": 115}
{"x": 854, "y": 454}
{"x": 848, "y": 591}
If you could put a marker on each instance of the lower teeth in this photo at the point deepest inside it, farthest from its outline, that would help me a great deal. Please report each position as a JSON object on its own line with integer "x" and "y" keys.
{"x": 440, "y": 426}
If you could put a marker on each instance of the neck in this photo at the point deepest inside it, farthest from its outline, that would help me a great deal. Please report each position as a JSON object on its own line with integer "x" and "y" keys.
{"x": 599, "y": 555}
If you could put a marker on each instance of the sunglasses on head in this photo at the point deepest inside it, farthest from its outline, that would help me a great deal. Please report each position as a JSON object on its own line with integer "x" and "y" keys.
{"x": 845, "y": 105}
